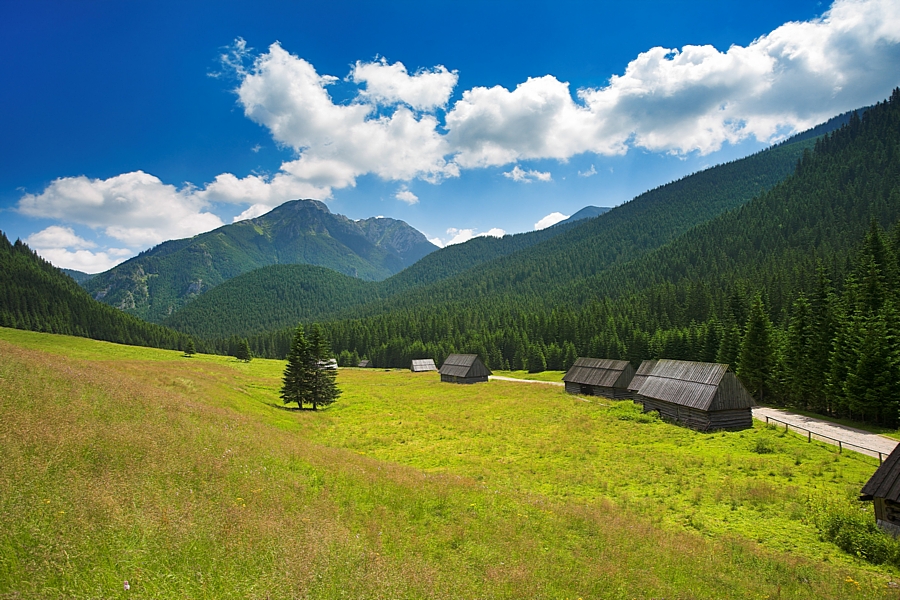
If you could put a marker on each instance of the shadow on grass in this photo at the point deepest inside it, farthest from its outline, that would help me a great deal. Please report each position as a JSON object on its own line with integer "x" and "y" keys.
{"x": 293, "y": 408}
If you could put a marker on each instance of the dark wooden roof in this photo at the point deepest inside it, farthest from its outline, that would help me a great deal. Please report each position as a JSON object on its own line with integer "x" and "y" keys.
{"x": 704, "y": 386}
{"x": 601, "y": 372}
{"x": 640, "y": 376}
{"x": 885, "y": 482}
{"x": 464, "y": 365}
{"x": 422, "y": 364}
{"x": 366, "y": 363}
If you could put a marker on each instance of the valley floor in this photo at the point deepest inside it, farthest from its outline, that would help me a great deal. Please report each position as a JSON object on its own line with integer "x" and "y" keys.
{"x": 188, "y": 478}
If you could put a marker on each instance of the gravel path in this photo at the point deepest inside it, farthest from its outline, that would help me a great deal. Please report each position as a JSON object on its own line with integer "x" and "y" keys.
{"x": 854, "y": 439}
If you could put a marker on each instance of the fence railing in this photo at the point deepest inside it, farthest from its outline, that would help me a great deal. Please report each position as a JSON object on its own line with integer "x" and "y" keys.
{"x": 840, "y": 443}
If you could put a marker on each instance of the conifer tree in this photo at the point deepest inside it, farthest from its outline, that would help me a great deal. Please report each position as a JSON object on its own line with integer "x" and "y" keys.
{"x": 242, "y": 351}
{"x": 297, "y": 380}
{"x": 757, "y": 350}
{"x": 189, "y": 349}
{"x": 322, "y": 387}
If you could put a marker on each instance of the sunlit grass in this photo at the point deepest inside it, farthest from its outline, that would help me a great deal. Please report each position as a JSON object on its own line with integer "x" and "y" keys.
{"x": 186, "y": 477}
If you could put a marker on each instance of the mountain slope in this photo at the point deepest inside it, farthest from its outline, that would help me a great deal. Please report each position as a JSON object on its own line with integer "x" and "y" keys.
{"x": 36, "y": 295}
{"x": 157, "y": 282}
{"x": 588, "y": 212}
{"x": 686, "y": 299}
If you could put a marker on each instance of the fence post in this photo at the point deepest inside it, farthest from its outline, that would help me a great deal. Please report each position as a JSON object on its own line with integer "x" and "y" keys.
{"x": 785, "y": 427}
{"x": 879, "y": 458}
{"x": 809, "y": 436}
{"x": 767, "y": 419}
{"x": 840, "y": 447}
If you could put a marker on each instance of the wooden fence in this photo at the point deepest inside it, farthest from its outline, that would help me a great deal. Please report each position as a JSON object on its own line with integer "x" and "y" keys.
{"x": 840, "y": 444}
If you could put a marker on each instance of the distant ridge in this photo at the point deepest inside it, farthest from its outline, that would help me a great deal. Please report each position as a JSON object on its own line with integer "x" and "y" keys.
{"x": 157, "y": 282}
{"x": 588, "y": 212}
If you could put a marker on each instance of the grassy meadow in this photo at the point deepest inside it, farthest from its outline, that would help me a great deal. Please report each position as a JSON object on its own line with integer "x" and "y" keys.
{"x": 186, "y": 477}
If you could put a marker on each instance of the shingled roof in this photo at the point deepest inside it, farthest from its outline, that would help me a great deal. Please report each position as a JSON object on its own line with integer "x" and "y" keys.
{"x": 704, "y": 386}
{"x": 464, "y": 365}
{"x": 885, "y": 482}
{"x": 640, "y": 376}
{"x": 603, "y": 372}
{"x": 422, "y": 364}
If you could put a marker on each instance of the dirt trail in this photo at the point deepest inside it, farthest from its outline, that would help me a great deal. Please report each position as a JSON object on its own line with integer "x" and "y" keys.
{"x": 854, "y": 439}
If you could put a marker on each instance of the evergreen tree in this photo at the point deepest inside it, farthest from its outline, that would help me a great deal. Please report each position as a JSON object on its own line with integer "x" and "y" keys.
{"x": 798, "y": 355}
{"x": 322, "y": 387}
{"x": 242, "y": 351}
{"x": 757, "y": 350}
{"x": 189, "y": 349}
{"x": 297, "y": 380}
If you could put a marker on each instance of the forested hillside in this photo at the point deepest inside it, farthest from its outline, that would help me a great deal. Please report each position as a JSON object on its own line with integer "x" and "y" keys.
{"x": 157, "y": 282}
{"x": 527, "y": 265}
{"x": 36, "y": 295}
{"x": 755, "y": 267}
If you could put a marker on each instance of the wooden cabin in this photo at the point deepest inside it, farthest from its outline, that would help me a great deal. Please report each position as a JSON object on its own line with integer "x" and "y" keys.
{"x": 464, "y": 368}
{"x": 640, "y": 376}
{"x": 420, "y": 365}
{"x": 599, "y": 377}
{"x": 365, "y": 364}
{"x": 883, "y": 488}
{"x": 703, "y": 396}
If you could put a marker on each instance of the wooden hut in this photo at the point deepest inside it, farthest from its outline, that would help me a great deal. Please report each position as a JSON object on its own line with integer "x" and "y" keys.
{"x": 365, "y": 364}
{"x": 884, "y": 489}
{"x": 464, "y": 368}
{"x": 703, "y": 396}
{"x": 420, "y": 365}
{"x": 599, "y": 377}
{"x": 640, "y": 376}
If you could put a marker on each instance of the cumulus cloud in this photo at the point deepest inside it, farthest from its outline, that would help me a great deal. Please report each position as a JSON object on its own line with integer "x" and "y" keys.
{"x": 391, "y": 84}
{"x": 458, "y": 236}
{"x": 551, "y": 219}
{"x": 588, "y": 172}
{"x": 63, "y": 248}
{"x": 517, "y": 174}
{"x": 135, "y": 208}
{"x": 675, "y": 100}
{"x": 338, "y": 143}
{"x": 695, "y": 98}
{"x": 406, "y": 196}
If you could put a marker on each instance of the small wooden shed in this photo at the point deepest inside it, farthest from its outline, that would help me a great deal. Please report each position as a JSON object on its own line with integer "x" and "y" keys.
{"x": 464, "y": 368}
{"x": 703, "y": 396}
{"x": 365, "y": 364}
{"x": 420, "y": 365}
{"x": 599, "y": 377}
{"x": 883, "y": 488}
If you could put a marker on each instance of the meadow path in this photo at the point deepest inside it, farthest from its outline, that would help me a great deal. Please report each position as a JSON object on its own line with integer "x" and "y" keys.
{"x": 855, "y": 439}
{"x": 824, "y": 431}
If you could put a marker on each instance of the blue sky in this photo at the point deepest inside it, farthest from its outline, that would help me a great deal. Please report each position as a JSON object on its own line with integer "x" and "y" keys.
{"x": 129, "y": 123}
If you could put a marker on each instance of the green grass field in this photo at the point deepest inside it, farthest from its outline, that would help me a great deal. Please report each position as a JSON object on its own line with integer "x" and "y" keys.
{"x": 187, "y": 477}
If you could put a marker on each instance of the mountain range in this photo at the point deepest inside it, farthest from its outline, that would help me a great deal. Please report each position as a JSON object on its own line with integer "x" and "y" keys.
{"x": 157, "y": 282}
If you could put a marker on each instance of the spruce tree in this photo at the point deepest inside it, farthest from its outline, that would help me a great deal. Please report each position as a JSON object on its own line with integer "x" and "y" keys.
{"x": 322, "y": 387}
{"x": 297, "y": 380}
{"x": 757, "y": 350}
{"x": 242, "y": 351}
{"x": 189, "y": 349}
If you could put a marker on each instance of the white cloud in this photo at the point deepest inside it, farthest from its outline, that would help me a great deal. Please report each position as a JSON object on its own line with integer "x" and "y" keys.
{"x": 58, "y": 237}
{"x": 338, "y": 143}
{"x": 458, "y": 236}
{"x": 406, "y": 196}
{"x": 695, "y": 98}
{"x": 135, "y": 208}
{"x": 391, "y": 84}
{"x": 517, "y": 174}
{"x": 256, "y": 210}
{"x": 588, "y": 173}
{"x": 692, "y": 99}
{"x": 551, "y": 219}
{"x": 63, "y": 248}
